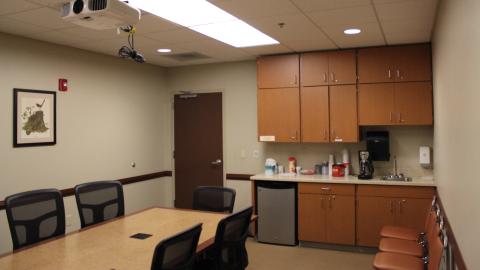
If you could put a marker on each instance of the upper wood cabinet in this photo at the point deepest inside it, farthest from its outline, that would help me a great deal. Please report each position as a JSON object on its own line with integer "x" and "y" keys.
{"x": 395, "y": 104}
{"x": 395, "y": 64}
{"x": 278, "y": 71}
{"x": 343, "y": 113}
{"x": 315, "y": 114}
{"x": 279, "y": 114}
{"x": 328, "y": 68}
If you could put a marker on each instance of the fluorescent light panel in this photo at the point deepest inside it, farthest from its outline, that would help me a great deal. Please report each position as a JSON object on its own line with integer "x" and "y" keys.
{"x": 207, "y": 19}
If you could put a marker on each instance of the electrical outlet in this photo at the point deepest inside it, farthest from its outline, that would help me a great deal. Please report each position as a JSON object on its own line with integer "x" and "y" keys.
{"x": 256, "y": 154}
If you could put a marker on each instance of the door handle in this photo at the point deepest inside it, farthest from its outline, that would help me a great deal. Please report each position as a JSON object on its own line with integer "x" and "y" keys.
{"x": 216, "y": 162}
{"x": 324, "y": 77}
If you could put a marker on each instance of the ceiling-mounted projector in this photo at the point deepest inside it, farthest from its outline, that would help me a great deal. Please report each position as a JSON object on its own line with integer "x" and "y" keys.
{"x": 100, "y": 14}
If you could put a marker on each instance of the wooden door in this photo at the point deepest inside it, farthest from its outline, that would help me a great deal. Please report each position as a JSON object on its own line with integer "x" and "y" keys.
{"x": 412, "y": 212}
{"x": 342, "y": 67}
{"x": 314, "y": 114}
{"x": 412, "y": 63}
{"x": 375, "y": 65}
{"x": 198, "y": 144}
{"x": 279, "y": 114}
{"x": 413, "y": 103}
{"x": 311, "y": 217}
{"x": 372, "y": 214}
{"x": 340, "y": 220}
{"x": 343, "y": 113}
{"x": 376, "y": 105}
{"x": 278, "y": 71}
{"x": 314, "y": 69}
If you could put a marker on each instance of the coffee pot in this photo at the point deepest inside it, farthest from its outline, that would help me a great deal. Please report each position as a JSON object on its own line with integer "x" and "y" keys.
{"x": 366, "y": 166}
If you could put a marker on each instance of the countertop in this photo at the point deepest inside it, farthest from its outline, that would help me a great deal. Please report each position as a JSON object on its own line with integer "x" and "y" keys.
{"x": 426, "y": 181}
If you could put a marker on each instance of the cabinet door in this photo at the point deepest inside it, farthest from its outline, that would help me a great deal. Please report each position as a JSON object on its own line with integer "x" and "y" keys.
{"x": 341, "y": 220}
{"x": 279, "y": 114}
{"x": 372, "y": 214}
{"x": 343, "y": 113}
{"x": 311, "y": 217}
{"x": 412, "y": 63}
{"x": 412, "y": 212}
{"x": 314, "y": 68}
{"x": 375, "y": 65}
{"x": 413, "y": 103}
{"x": 314, "y": 114}
{"x": 278, "y": 71}
{"x": 342, "y": 67}
{"x": 376, "y": 104}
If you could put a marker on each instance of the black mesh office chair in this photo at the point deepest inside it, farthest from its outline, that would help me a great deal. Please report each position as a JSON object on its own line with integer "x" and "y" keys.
{"x": 99, "y": 201}
{"x": 228, "y": 251}
{"x": 34, "y": 216}
{"x": 177, "y": 252}
{"x": 215, "y": 199}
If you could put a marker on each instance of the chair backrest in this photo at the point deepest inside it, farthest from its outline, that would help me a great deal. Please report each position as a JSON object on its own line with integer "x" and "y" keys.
{"x": 178, "y": 251}
{"x": 99, "y": 201}
{"x": 216, "y": 199}
{"x": 34, "y": 216}
{"x": 229, "y": 248}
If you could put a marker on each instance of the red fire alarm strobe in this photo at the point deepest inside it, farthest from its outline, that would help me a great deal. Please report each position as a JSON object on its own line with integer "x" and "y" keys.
{"x": 62, "y": 85}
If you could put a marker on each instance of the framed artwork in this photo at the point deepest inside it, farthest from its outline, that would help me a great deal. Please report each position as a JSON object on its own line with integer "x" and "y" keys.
{"x": 34, "y": 118}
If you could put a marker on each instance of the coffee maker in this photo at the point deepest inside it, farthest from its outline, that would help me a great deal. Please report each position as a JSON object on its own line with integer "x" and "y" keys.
{"x": 366, "y": 166}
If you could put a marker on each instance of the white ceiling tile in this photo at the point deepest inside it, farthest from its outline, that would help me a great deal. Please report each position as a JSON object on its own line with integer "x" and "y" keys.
{"x": 407, "y": 10}
{"x": 11, "y": 26}
{"x": 44, "y": 17}
{"x": 407, "y": 38}
{"x": 57, "y": 38}
{"x": 345, "y": 16}
{"x": 255, "y": 8}
{"x": 318, "y": 5}
{"x": 371, "y": 36}
{"x": 180, "y": 35}
{"x": 296, "y": 28}
{"x": 8, "y": 7}
{"x": 91, "y": 34}
{"x": 407, "y": 26}
{"x": 214, "y": 49}
{"x": 312, "y": 44}
{"x": 151, "y": 23}
{"x": 268, "y": 49}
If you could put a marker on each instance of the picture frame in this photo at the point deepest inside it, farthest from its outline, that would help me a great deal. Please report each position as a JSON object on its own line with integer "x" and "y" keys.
{"x": 34, "y": 117}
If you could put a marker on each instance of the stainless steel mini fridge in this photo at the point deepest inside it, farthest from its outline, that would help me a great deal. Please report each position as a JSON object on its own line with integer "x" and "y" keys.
{"x": 277, "y": 212}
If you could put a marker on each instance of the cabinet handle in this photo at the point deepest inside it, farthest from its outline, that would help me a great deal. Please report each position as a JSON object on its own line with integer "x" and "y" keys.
{"x": 400, "y": 119}
{"x": 401, "y": 205}
{"x": 398, "y": 73}
{"x": 324, "y": 77}
{"x": 391, "y": 119}
{"x": 330, "y": 202}
{"x": 294, "y": 137}
{"x": 296, "y": 79}
{"x": 325, "y": 188}
{"x": 391, "y": 207}
{"x": 323, "y": 205}
{"x": 389, "y": 74}
{"x": 325, "y": 134}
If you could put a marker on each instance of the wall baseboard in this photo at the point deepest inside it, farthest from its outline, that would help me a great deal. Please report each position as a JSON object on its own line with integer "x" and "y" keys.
{"x": 125, "y": 181}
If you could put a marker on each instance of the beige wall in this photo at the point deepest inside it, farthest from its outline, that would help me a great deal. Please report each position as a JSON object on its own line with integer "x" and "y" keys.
{"x": 456, "y": 64}
{"x": 114, "y": 114}
{"x": 237, "y": 82}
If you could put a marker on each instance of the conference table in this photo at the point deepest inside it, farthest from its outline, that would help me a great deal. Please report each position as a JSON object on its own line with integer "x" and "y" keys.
{"x": 108, "y": 246}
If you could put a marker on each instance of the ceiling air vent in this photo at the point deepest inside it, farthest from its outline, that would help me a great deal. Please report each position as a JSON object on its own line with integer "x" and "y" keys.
{"x": 186, "y": 57}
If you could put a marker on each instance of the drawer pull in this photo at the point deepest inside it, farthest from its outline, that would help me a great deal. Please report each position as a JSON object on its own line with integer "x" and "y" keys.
{"x": 326, "y": 188}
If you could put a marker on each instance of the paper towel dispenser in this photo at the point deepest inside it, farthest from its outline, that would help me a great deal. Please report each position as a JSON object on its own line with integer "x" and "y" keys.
{"x": 378, "y": 145}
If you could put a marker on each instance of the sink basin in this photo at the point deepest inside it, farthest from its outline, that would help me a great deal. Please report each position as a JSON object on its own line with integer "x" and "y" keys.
{"x": 396, "y": 177}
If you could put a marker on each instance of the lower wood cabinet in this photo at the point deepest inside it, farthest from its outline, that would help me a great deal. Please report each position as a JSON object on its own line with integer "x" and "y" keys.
{"x": 378, "y": 206}
{"x": 326, "y": 213}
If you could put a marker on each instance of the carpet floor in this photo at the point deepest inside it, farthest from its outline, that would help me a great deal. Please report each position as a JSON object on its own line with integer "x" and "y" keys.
{"x": 264, "y": 256}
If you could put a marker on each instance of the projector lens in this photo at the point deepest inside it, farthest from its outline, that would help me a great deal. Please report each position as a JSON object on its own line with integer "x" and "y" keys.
{"x": 78, "y": 6}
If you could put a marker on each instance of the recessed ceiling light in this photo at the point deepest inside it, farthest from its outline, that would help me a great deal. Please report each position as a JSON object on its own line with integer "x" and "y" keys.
{"x": 352, "y": 31}
{"x": 208, "y": 19}
{"x": 164, "y": 50}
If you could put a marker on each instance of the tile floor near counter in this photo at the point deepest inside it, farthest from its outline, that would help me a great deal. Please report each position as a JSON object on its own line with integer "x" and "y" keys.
{"x": 264, "y": 256}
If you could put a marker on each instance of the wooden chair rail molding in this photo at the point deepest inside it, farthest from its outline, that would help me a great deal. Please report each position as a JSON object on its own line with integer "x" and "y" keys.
{"x": 237, "y": 176}
{"x": 457, "y": 255}
{"x": 125, "y": 181}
